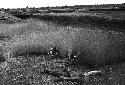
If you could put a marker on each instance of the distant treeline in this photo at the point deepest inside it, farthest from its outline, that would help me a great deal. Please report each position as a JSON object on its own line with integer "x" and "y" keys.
{"x": 108, "y": 9}
{"x": 61, "y": 10}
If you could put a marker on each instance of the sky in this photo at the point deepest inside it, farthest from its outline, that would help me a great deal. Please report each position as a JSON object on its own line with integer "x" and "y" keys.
{"x": 44, "y": 3}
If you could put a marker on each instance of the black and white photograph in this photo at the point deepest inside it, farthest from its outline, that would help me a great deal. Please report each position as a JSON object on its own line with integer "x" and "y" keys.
{"x": 62, "y": 42}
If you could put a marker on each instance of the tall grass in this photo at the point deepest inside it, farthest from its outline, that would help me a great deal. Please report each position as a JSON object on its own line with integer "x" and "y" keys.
{"x": 89, "y": 38}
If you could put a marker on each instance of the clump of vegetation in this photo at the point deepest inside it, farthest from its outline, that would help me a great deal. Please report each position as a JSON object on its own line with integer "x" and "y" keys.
{"x": 8, "y": 18}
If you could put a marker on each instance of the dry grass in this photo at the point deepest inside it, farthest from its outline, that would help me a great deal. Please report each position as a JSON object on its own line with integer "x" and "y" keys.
{"x": 95, "y": 44}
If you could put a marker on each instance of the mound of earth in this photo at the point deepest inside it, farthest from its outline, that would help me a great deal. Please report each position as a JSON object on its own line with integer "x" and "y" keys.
{"x": 8, "y": 18}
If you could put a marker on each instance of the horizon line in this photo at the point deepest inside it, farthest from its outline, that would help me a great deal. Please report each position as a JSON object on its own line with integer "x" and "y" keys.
{"x": 59, "y": 6}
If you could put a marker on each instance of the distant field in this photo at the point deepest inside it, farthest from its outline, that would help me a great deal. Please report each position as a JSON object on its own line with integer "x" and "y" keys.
{"x": 113, "y": 14}
{"x": 108, "y": 14}
{"x": 105, "y": 20}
